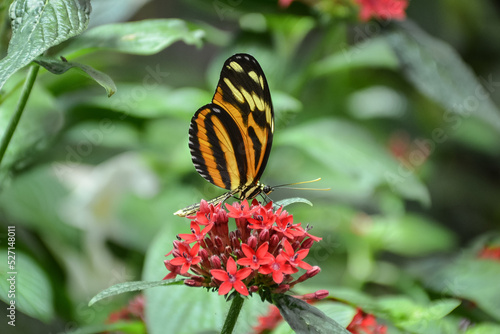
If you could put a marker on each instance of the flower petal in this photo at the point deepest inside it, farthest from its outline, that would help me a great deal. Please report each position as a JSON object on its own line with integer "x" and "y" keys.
{"x": 225, "y": 288}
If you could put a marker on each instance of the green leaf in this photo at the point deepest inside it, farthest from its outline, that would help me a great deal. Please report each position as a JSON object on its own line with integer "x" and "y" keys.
{"x": 410, "y": 235}
{"x": 42, "y": 119}
{"x": 354, "y": 164}
{"x": 465, "y": 277}
{"x": 33, "y": 292}
{"x": 304, "y": 318}
{"x": 438, "y": 72}
{"x": 145, "y": 37}
{"x": 39, "y": 25}
{"x": 131, "y": 286}
{"x": 418, "y": 318}
{"x": 57, "y": 66}
{"x": 288, "y": 201}
{"x": 149, "y": 101}
{"x": 109, "y": 11}
{"x": 483, "y": 328}
{"x": 374, "y": 52}
{"x": 124, "y": 327}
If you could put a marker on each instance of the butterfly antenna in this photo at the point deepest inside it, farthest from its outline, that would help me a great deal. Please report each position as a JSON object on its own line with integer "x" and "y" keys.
{"x": 287, "y": 186}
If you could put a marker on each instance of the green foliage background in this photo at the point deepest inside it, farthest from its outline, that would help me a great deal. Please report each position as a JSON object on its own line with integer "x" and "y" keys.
{"x": 399, "y": 119}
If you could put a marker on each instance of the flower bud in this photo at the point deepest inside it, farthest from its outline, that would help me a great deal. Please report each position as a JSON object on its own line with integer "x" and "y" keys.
{"x": 221, "y": 217}
{"x": 310, "y": 273}
{"x": 273, "y": 241}
{"x": 235, "y": 243}
{"x": 197, "y": 270}
{"x": 198, "y": 279}
{"x": 219, "y": 244}
{"x": 313, "y": 271}
{"x": 253, "y": 288}
{"x": 239, "y": 254}
{"x": 252, "y": 242}
{"x": 320, "y": 294}
{"x": 215, "y": 262}
{"x": 209, "y": 244}
{"x": 224, "y": 258}
{"x": 203, "y": 253}
{"x": 237, "y": 234}
{"x": 282, "y": 288}
{"x": 204, "y": 206}
{"x": 264, "y": 235}
{"x": 307, "y": 243}
{"x": 192, "y": 282}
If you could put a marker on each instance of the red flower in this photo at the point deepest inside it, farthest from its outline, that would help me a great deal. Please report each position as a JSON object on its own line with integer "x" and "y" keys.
{"x": 490, "y": 252}
{"x": 271, "y": 254}
{"x": 278, "y": 268}
{"x": 133, "y": 311}
{"x": 196, "y": 235}
{"x": 174, "y": 270}
{"x": 364, "y": 323}
{"x": 232, "y": 278}
{"x": 382, "y": 9}
{"x": 188, "y": 257}
{"x": 255, "y": 259}
{"x": 295, "y": 259}
{"x": 268, "y": 322}
{"x": 240, "y": 210}
{"x": 263, "y": 217}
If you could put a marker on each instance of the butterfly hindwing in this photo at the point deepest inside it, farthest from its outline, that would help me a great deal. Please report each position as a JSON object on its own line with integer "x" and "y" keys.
{"x": 230, "y": 139}
{"x": 215, "y": 145}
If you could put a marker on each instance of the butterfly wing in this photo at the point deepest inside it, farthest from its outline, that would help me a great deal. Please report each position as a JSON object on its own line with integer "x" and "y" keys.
{"x": 230, "y": 139}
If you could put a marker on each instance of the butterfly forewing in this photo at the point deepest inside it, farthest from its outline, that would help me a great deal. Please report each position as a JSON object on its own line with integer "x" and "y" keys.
{"x": 230, "y": 139}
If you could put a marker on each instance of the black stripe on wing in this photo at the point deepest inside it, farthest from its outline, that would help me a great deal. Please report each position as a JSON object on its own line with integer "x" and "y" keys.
{"x": 217, "y": 148}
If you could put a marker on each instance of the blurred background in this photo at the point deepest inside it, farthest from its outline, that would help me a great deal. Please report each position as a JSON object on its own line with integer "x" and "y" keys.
{"x": 399, "y": 118}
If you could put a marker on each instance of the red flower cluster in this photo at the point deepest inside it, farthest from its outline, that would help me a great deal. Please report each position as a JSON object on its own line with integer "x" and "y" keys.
{"x": 364, "y": 323}
{"x": 133, "y": 311}
{"x": 382, "y": 9}
{"x": 260, "y": 255}
{"x": 490, "y": 252}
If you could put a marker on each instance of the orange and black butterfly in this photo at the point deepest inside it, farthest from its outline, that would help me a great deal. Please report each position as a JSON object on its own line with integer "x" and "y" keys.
{"x": 230, "y": 139}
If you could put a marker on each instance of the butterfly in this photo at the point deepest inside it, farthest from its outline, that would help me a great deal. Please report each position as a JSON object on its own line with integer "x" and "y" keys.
{"x": 230, "y": 139}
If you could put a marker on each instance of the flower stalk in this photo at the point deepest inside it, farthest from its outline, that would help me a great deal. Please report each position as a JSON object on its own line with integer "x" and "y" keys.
{"x": 25, "y": 93}
{"x": 232, "y": 315}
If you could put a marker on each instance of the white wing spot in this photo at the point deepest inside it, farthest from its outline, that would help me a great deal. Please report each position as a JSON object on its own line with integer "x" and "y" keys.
{"x": 254, "y": 76}
{"x": 258, "y": 102}
{"x": 248, "y": 98}
{"x": 236, "y": 93}
{"x": 235, "y": 66}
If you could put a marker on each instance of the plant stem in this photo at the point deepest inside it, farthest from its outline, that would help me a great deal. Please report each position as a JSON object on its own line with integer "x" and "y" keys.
{"x": 232, "y": 315}
{"x": 25, "y": 93}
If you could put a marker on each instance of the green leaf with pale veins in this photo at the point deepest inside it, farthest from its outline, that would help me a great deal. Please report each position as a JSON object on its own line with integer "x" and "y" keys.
{"x": 33, "y": 294}
{"x": 288, "y": 201}
{"x": 304, "y": 318}
{"x": 60, "y": 66}
{"x": 145, "y": 37}
{"x": 131, "y": 286}
{"x": 39, "y": 25}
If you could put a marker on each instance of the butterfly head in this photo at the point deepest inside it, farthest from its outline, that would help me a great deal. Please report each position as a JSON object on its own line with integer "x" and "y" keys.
{"x": 267, "y": 189}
